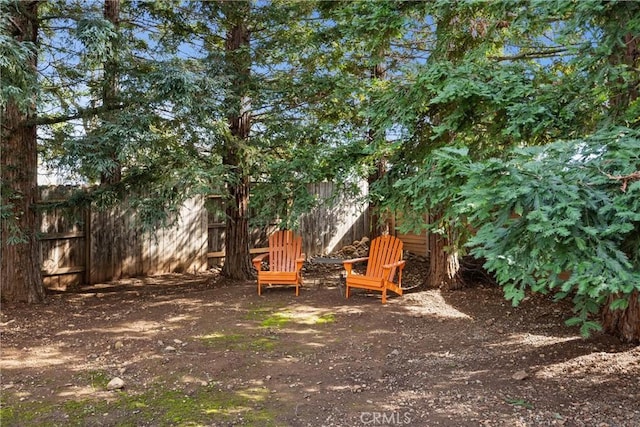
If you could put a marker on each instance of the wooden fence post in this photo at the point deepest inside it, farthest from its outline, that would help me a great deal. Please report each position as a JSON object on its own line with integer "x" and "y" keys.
{"x": 87, "y": 245}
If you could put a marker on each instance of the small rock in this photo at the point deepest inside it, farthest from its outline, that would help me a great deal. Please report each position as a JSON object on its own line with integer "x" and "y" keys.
{"x": 520, "y": 375}
{"x": 118, "y": 345}
{"x": 169, "y": 348}
{"x": 115, "y": 384}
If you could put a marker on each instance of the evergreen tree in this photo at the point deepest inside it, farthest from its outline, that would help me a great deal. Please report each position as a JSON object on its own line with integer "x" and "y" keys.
{"x": 514, "y": 75}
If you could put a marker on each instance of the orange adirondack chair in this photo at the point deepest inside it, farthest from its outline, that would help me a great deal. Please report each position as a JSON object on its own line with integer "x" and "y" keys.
{"x": 285, "y": 261}
{"x": 383, "y": 263}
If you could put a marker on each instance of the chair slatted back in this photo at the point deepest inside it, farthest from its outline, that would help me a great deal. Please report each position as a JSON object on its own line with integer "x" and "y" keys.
{"x": 385, "y": 249}
{"x": 284, "y": 248}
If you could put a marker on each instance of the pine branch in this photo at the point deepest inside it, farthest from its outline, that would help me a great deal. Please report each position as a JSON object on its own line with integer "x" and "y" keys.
{"x": 624, "y": 178}
{"x": 531, "y": 55}
{"x": 86, "y": 112}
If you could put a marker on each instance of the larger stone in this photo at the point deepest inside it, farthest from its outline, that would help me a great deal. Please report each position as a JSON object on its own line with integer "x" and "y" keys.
{"x": 520, "y": 375}
{"x": 115, "y": 384}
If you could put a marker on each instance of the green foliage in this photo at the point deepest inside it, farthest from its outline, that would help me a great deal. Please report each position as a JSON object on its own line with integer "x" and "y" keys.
{"x": 9, "y": 213}
{"x": 500, "y": 79}
{"x": 287, "y": 169}
{"x": 18, "y": 82}
{"x": 538, "y": 212}
{"x": 97, "y": 35}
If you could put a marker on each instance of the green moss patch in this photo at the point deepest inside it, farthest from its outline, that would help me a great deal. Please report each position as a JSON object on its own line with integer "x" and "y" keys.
{"x": 276, "y": 320}
{"x": 326, "y": 318}
{"x": 239, "y": 342}
{"x": 281, "y": 319}
{"x": 157, "y": 406}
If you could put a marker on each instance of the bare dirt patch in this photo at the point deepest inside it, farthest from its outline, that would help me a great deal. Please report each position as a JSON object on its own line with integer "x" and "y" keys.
{"x": 200, "y": 350}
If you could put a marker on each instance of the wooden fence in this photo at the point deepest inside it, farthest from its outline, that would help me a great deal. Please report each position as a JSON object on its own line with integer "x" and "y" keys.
{"x": 87, "y": 246}
{"x": 336, "y": 222}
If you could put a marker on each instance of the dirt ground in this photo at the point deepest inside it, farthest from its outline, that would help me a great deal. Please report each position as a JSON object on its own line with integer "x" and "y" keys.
{"x": 195, "y": 350}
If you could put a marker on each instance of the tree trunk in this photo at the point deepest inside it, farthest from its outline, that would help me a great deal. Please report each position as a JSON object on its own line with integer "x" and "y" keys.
{"x": 444, "y": 265}
{"x": 237, "y": 263}
{"x": 110, "y": 93}
{"x": 20, "y": 278}
{"x": 624, "y": 324}
{"x": 376, "y": 225}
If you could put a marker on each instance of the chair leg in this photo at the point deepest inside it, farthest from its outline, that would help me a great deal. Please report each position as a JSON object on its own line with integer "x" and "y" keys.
{"x": 297, "y": 290}
{"x": 259, "y": 290}
{"x": 384, "y": 296}
{"x": 348, "y": 292}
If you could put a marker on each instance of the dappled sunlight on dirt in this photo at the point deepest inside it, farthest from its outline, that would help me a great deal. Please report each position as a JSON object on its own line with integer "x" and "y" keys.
{"x": 140, "y": 327}
{"x": 35, "y": 357}
{"x": 587, "y": 367}
{"x": 75, "y": 392}
{"x": 179, "y": 319}
{"x": 533, "y": 340}
{"x": 431, "y": 303}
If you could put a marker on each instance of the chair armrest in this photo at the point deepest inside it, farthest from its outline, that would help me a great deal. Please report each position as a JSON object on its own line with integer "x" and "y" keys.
{"x": 257, "y": 261}
{"x": 300, "y": 261}
{"x": 354, "y": 260}
{"x": 400, "y": 264}
{"x": 388, "y": 268}
{"x": 348, "y": 263}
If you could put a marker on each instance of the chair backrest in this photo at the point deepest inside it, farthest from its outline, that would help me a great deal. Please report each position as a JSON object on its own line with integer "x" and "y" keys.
{"x": 385, "y": 249}
{"x": 284, "y": 248}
